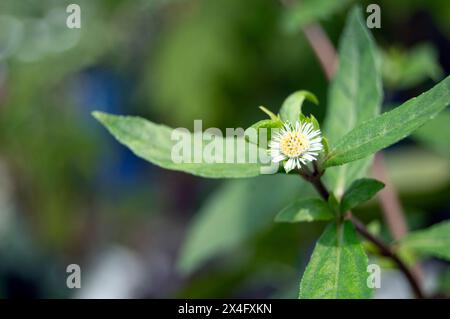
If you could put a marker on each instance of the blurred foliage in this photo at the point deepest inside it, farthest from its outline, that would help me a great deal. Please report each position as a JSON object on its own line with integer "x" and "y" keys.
{"x": 302, "y": 13}
{"x": 436, "y": 134}
{"x": 59, "y": 154}
{"x": 444, "y": 282}
{"x": 238, "y": 61}
{"x": 405, "y": 69}
{"x": 234, "y": 213}
{"x": 434, "y": 172}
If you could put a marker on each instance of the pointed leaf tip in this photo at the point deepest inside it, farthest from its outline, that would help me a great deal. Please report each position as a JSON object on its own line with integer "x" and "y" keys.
{"x": 269, "y": 112}
{"x": 98, "y": 115}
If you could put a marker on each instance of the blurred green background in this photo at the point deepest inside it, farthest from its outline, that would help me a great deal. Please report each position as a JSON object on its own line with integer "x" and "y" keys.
{"x": 69, "y": 193}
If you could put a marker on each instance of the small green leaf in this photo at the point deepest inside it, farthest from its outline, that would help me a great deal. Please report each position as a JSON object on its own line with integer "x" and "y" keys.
{"x": 153, "y": 143}
{"x": 314, "y": 122}
{"x": 310, "y": 119}
{"x": 338, "y": 266}
{"x": 390, "y": 127}
{"x": 292, "y": 106}
{"x": 359, "y": 192}
{"x": 432, "y": 241}
{"x": 267, "y": 124}
{"x": 305, "y": 210}
{"x": 374, "y": 227}
{"x": 355, "y": 95}
{"x": 326, "y": 146}
{"x": 270, "y": 113}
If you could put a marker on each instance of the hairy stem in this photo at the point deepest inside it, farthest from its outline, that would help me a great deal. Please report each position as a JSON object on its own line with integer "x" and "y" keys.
{"x": 314, "y": 177}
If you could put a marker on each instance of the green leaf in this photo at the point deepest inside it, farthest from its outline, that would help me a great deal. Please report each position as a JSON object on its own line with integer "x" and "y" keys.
{"x": 270, "y": 113}
{"x": 359, "y": 192}
{"x": 310, "y": 119}
{"x": 153, "y": 143}
{"x": 405, "y": 69}
{"x": 444, "y": 281}
{"x": 292, "y": 106}
{"x": 355, "y": 95}
{"x": 333, "y": 203}
{"x": 234, "y": 213}
{"x": 308, "y": 11}
{"x": 436, "y": 134}
{"x": 338, "y": 266}
{"x": 433, "y": 241}
{"x": 326, "y": 146}
{"x": 390, "y": 127}
{"x": 268, "y": 124}
{"x": 305, "y": 210}
{"x": 374, "y": 227}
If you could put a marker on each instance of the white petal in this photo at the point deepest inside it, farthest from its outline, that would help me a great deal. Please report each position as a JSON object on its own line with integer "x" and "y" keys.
{"x": 311, "y": 154}
{"x": 278, "y": 158}
{"x": 315, "y": 147}
{"x": 275, "y": 153}
{"x": 287, "y": 127}
{"x": 308, "y": 157}
{"x": 298, "y": 163}
{"x": 289, "y": 165}
{"x": 313, "y": 134}
{"x": 276, "y": 137}
{"x": 316, "y": 140}
{"x": 307, "y": 128}
{"x": 274, "y": 144}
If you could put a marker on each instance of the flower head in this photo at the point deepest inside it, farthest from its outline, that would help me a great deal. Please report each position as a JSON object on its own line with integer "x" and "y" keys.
{"x": 295, "y": 144}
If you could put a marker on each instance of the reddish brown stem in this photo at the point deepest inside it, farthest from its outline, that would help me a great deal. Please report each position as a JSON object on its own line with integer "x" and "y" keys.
{"x": 385, "y": 250}
{"x": 392, "y": 210}
{"x": 323, "y": 49}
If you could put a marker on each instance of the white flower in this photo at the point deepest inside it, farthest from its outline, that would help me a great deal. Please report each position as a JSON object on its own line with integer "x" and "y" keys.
{"x": 296, "y": 145}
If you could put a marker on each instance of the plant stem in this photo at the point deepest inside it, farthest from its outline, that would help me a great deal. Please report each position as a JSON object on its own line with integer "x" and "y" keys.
{"x": 325, "y": 53}
{"x": 321, "y": 189}
{"x": 392, "y": 210}
{"x": 323, "y": 49}
{"x": 386, "y": 251}
{"x": 314, "y": 177}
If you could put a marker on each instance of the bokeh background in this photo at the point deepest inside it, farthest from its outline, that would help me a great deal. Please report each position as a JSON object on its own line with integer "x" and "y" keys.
{"x": 69, "y": 193}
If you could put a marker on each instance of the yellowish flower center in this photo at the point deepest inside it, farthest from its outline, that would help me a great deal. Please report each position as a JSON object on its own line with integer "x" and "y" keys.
{"x": 293, "y": 144}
